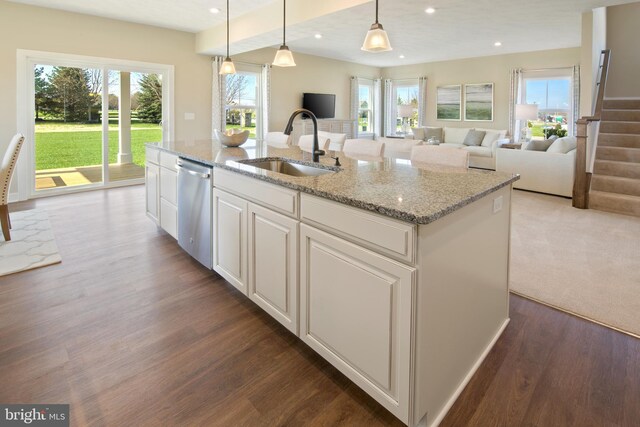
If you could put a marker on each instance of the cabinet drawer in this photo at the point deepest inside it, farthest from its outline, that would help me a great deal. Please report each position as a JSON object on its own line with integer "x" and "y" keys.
{"x": 384, "y": 235}
{"x": 272, "y": 196}
{"x": 169, "y": 185}
{"x": 152, "y": 155}
{"x": 168, "y": 160}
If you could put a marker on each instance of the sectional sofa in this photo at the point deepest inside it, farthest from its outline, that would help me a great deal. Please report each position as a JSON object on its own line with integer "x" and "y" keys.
{"x": 482, "y": 154}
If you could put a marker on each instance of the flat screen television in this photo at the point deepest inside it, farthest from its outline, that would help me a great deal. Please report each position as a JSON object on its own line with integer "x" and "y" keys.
{"x": 323, "y": 105}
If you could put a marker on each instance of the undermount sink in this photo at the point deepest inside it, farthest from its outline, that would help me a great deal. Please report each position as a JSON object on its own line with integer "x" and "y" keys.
{"x": 287, "y": 167}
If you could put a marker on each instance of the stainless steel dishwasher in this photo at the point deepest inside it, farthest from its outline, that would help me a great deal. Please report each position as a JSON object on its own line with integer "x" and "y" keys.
{"x": 194, "y": 210}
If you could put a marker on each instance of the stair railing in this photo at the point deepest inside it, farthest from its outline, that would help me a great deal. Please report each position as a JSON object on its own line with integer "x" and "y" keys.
{"x": 582, "y": 181}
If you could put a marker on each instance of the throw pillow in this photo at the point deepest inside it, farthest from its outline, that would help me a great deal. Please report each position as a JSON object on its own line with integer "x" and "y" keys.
{"x": 490, "y": 136}
{"x": 539, "y": 145}
{"x": 418, "y": 133}
{"x": 474, "y": 137}
{"x": 563, "y": 145}
{"x": 454, "y": 135}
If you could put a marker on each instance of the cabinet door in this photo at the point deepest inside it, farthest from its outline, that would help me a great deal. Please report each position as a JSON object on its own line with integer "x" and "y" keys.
{"x": 323, "y": 125}
{"x": 169, "y": 218}
{"x": 273, "y": 264}
{"x": 348, "y": 128}
{"x": 169, "y": 185}
{"x": 152, "y": 188}
{"x": 355, "y": 311}
{"x": 230, "y": 238}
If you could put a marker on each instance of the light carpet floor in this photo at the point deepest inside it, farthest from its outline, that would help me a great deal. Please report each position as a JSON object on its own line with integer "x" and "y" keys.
{"x": 585, "y": 262}
{"x": 32, "y": 243}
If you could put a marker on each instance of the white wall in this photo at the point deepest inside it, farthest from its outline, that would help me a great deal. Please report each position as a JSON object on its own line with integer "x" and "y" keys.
{"x": 490, "y": 69}
{"x": 623, "y": 35}
{"x": 587, "y": 79}
{"x": 311, "y": 74}
{"x": 33, "y": 28}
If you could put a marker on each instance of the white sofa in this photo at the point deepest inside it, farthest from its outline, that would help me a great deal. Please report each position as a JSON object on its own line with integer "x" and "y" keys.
{"x": 481, "y": 156}
{"x": 542, "y": 171}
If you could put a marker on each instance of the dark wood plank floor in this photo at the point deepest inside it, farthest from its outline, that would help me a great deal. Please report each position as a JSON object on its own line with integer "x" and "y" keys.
{"x": 131, "y": 331}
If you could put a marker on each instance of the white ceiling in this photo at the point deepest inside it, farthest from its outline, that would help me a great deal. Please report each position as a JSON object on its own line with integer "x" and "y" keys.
{"x": 458, "y": 29}
{"x": 183, "y": 15}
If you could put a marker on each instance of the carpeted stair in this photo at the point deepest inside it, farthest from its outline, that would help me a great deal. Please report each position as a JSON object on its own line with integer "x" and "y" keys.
{"x": 615, "y": 184}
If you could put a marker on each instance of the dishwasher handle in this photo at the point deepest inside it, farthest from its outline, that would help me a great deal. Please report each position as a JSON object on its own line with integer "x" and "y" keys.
{"x": 181, "y": 168}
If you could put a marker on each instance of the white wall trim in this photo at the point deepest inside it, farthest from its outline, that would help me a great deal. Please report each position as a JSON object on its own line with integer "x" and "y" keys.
{"x": 25, "y": 98}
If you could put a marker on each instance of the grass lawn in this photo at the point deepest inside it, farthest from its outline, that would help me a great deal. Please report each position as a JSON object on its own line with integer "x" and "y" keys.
{"x": 77, "y": 127}
{"x": 64, "y": 149}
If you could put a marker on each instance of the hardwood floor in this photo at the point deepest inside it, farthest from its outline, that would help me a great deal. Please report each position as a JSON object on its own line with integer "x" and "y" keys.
{"x": 129, "y": 330}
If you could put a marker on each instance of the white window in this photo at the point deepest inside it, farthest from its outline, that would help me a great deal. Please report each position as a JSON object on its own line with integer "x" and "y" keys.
{"x": 243, "y": 100}
{"x": 402, "y": 105}
{"x": 405, "y": 94}
{"x": 551, "y": 91}
{"x": 366, "y": 106}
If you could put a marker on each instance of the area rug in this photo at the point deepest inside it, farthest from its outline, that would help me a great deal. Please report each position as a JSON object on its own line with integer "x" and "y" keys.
{"x": 585, "y": 262}
{"x": 32, "y": 243}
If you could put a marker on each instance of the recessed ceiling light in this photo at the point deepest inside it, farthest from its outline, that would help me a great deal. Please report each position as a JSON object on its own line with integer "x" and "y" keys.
{"x": 497, "y": 44}
{"x": 430, "y": 10}
{"x": 214, "y": 10}
{"x": 401, "y": 57}
{"x": 318, "y": 36}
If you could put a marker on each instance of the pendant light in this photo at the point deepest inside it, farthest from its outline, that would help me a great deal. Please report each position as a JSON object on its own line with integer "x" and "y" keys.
{"x": 227, "y": 65}
{"x": 284, "y": 57}
{"x": 376, "y": 39}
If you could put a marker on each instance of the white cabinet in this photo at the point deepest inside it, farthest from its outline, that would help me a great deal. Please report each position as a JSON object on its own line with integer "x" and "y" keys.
{"x": 305, "y": 127}
{"x": 356, "y": 311}
{"x": 230, "y": 238}
{"x": 273, "y": 264}
{"x": 152, "y": 188}
{"x": 161, "y": 179}
{"x": 169, "y": 194}
{"x": 169, "y": 218}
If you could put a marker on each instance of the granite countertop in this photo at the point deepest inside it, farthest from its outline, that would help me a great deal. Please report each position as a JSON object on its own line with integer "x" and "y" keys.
{"x": 388, "y": 186}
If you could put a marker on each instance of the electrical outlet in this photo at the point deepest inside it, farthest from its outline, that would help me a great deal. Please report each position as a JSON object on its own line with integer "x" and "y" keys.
{"x": 189, "y": 116}
{"x": 497, "y": 204}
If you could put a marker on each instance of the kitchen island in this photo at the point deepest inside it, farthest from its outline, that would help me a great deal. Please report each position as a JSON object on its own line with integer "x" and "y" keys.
{"x": 397, "y": 275}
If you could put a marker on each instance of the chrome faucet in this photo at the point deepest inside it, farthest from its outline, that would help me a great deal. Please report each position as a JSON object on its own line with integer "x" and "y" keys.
{"x": 317, "y": 152}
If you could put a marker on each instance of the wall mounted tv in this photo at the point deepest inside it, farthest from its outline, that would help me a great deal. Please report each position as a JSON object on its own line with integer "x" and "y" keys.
{"x": 321, "y": 104}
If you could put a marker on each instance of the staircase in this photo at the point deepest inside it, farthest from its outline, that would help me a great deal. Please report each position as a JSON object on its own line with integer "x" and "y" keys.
{"x": 615, "y": 184}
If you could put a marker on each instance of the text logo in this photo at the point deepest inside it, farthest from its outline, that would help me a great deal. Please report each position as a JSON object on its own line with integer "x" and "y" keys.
{"x": 34, "y": 415}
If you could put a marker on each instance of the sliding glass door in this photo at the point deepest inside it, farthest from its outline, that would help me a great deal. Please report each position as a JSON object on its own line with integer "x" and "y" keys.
{"x": 91, "y": 119}
{"x": 68, "y": 130}
{"x": 135, "y": 118}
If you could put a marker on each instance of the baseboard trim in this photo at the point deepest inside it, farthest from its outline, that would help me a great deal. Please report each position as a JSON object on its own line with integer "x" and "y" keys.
{"x": 438, "y": 419}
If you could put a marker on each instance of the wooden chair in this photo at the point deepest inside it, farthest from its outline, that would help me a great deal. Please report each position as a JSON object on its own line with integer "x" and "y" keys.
{"x": 440, "y": 155}
{"x": 6, "y": 170}
{"x": 363, "y": 147}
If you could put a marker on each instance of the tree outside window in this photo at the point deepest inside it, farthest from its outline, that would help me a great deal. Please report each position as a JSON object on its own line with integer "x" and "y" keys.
{"x": 241, "y": 101}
